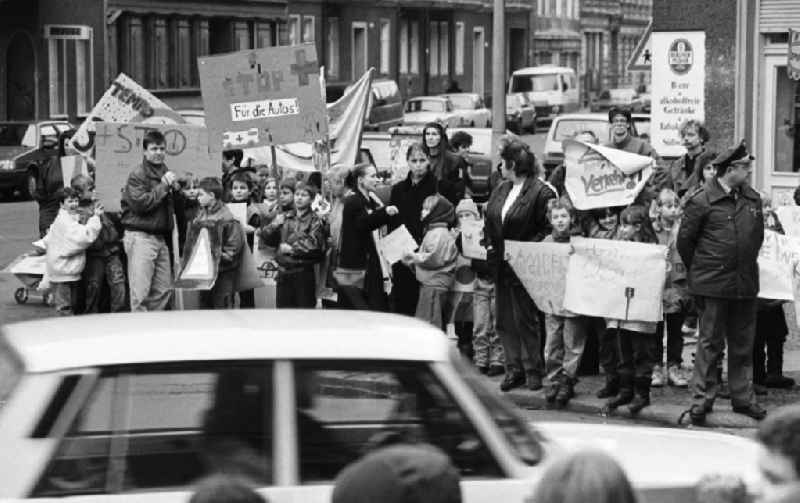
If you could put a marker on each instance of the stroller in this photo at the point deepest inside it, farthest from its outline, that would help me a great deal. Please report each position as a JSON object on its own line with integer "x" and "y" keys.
{"x": 29, "y": 270}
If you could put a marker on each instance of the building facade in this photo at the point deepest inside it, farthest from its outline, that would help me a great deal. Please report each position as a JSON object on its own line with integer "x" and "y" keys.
{"x": 60, "y": 55}
{"x": 557, "y": 35}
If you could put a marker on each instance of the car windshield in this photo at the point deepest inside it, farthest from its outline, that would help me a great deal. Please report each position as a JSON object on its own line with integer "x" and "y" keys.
{"x": 529, "y": 83}
{"x": 462, "y": 102}
{"x": 425, "y": 106}
{"x": 10, "y": 371}
{"x": 622, "y": 94}
{"x": 12, "y": 135}
{"x": 568, "y": 128}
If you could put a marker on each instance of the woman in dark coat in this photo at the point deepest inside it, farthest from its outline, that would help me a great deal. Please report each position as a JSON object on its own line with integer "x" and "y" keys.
{"x": 359, "y": 275}
{"x": 408, "y": 196}
{"x": 449, "y": 168}
{"x": 48, "y": 181}
{"x": 517, "y": 210}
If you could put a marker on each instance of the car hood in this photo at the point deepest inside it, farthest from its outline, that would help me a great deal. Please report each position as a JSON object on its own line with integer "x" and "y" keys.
{"x": 13, "y": 152}
{"x": 662, "y": 457}
{"x": 424, "y": 116}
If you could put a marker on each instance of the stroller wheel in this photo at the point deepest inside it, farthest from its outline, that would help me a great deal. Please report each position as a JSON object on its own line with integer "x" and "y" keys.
{"x": 21, "y": 295}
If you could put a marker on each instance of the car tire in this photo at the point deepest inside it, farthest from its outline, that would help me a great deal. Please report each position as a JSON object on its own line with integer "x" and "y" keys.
{"x": 29, "y": 188}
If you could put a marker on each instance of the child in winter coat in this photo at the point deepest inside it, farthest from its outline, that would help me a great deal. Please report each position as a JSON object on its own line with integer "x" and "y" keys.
{"x": 434, "y": 263}
{"x": 666, "y": 213}
{"x": 634, "y": 338}
{"x": 66, "y": 242}
{"x": 241, "y": 192}
{"x": 566, "y": 335}
{"x": 186, "y": 206}
{"x": 214, "y": 213}
{"x": 301, "y": 238}
{"x": 464, "y": 282}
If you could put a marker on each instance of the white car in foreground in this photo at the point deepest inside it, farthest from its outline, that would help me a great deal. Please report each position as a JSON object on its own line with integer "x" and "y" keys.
{"x": 424, "y": 109}
{"x": 470, "y": 109}
{"x": 137, "y": 407}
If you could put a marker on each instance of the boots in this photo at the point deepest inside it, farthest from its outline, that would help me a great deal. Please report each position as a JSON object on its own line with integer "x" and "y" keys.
{"x": 552, "y": 389}
{"x": 625, "y": 394}
{"x": 611, "y": 388}
{"x": 565, "y": 391}
{"x": 642, "y": 398}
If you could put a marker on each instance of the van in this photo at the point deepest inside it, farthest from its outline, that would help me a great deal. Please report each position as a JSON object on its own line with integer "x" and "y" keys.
{"x": 552, "y": 89}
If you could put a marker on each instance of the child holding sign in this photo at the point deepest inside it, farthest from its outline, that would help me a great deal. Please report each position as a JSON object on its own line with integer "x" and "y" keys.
{"x": 241, "y": 192}
{"x": 434, "y": 263}
{"x": 634, "y": 338}
{"x": 566, "y": 337}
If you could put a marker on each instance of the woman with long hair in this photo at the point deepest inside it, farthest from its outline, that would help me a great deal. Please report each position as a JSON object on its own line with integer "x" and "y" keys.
{"x": 584, "y": 476}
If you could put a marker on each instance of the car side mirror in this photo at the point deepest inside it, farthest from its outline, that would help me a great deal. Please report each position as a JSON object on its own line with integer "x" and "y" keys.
{"x": 49, "y": 142}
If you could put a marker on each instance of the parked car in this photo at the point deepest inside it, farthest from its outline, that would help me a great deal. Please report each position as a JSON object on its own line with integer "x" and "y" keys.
{"x": 642, "y": 123}
{"x": 470, "y": 108}
{"x": 386, "y": 106}
{"x": 553, "y": 90}
{"x": 520, "y": 114}
{"x": 567, "y": 126}
{"x": 610, "y": 98}
{"x": 482, "y": 158}
{"x": 141, "y": 405}
{"x": 424, "y": 109}
{"x": 24, "y": 148}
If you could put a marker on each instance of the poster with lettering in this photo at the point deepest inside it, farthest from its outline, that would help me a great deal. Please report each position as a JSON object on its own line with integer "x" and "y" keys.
{"x": 599, "y": 176}
{"x": 789, "y": 217}
{"x": 775, "y": 259}
{"x": 616, "y": 279}
{"x": 260, "y": 97}
{"x": 119, "y": 151}
{"x": 471, "y": 236}
{"x": 542, "y": 269}
{"x": 125, "y": 102}
{"x": 678, "y": 89}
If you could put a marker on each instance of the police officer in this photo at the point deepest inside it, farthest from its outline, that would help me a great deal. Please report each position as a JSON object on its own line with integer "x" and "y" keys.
{"x": 719, "y": 240}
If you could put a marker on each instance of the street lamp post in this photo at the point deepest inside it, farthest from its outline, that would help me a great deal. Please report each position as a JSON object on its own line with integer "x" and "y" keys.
{"x": 499, "y": 69}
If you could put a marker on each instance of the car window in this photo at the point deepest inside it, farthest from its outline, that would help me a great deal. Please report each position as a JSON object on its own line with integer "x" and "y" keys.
{"x": 346, "y": 409}
{"x": 30, "y": 139}
{"x": 605, "y": 95}
{"x": 164, "y": 429}
{"x": 61, "y": 127}
{"x": 425, "y": 106}
{"x": 567, "y": 128}
{"x": 14, "y": 135}
{"x": 48, "y": 132}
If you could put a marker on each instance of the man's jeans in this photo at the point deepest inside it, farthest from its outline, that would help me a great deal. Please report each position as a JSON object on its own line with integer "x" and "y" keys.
{"x": 488, "y": 348}
{"x": 149, "y": 271}
{"x": 101, "y": 271}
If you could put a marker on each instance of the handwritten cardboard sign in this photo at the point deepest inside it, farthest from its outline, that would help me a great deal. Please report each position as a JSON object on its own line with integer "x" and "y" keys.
{"x": 471, "y": 236}
{"x": 396, "y": 244}
{"x": 124, "y": 102}
{"x": 542, "y": 269}
{"x": 269, "y": 96}
{"x": 775, "y": 259}
{"x": 598, "y": 177}
{"x": 119, "y": 151}
{"x": 789, "y": 217}
{"x": 600, "y": 272}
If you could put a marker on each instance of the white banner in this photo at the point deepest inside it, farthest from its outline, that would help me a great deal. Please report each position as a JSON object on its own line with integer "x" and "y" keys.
{"x": 789, "y": 218}
{"x": 678, "y": 93}
{"x": 598, "y": 177}
{"x": 775, "y": 260}
{"x": 542, "y": 269}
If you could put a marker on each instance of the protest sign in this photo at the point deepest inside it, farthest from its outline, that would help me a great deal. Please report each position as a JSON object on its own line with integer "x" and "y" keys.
{"x": 775, "y": 259}
{"x": 396, "y": 244}
{"x": 471, "y": 235}
{"x": 119, "y": 151}
{"x": 796, "y": 290}
{"x": 789, "y": 217}
{"x": 602, "y": 275}
{"x": 124, "y": 102}
{"x": 542, "y": 269}
{"x": 200, "y": 260}
{"x": 268, "y": 96}
{"x": 72, "y": 166}
{"x": 598, "y": 177}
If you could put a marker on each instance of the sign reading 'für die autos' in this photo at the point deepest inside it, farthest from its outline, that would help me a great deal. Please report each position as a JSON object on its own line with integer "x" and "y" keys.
{"x": 269, "y": 96}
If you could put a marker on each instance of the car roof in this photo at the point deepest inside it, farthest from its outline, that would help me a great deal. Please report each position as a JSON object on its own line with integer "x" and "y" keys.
{"x": 437, "y": 98}
{"x": 543, "y": 70}
{"x": 176, "y": 336}
{"x": 38, "y": 123}
{"x": 583, "y": 117}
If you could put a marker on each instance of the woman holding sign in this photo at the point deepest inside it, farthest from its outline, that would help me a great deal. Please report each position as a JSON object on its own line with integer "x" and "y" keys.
{"x": 517, "y": 210}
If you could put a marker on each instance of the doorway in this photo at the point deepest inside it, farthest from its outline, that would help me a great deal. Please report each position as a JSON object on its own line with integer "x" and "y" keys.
{"x": 478, "y": 60}
{"x": 359, "y": 49}
{"x": 516, "y": 50}
{"x": 21, "y": 78}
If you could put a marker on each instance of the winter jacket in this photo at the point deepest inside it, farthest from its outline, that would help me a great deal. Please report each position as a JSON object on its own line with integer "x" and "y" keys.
{"x": 408, "y": 198}
{"x": 676, "y": 290}
{"x": 108, "y": 241}
{"x": 147, "y": 204}
{"x": 683, "y": 175}
{"x": 526, "y": 220}
{"x": 361, "y": 216}
{"x": 48, "y": 181}
{"x": 449, "y": 168}
{"x": 719, "y": 240}
{"x": 232, "y": 238}
{"x": 66, "y": 243}
{"x": 306, "y": 233}
{"x": 435, "y": 262}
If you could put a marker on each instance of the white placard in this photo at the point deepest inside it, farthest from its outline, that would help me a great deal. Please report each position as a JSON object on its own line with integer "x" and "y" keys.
{"x": 396, "y": 244}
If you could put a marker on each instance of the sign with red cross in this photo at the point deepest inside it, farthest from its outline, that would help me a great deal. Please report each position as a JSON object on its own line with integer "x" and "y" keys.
{"x": 262, "y": 97}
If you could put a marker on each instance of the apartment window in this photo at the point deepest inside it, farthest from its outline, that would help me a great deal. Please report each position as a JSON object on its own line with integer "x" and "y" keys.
{"x": 444, "y": 48}
{"x": 414, "y": 64}
{"x": 404, "y": 46}
{"x": 559, "y": 7}
{"x": 386, "y": 44}
{"x": 540, "y": 4}
{"x": 70, "y": 46}
{"x": 265, "y": 35}
{"x": 308, "y": 29}
{"x": 294, "y": 29}
{"x": 333, "y": 48}
{"x": 433, "y": 49}
{"x": 241, "y": 36}
{"x": 459, "y": 48}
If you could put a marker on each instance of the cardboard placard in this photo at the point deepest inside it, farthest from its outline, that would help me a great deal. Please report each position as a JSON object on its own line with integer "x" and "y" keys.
{"x": 124, "y": 102}
{"x": 269, "y": 96}
{"x": 396, "y": 244}
{"x": 601, "y": 272}
{"x": 471, "y": 236}
{"x": 239, "y": 211}
{"x": 789, "y": 217}
{"x": 775, "y": 259}
{"x": 542, "y": 269}
{"x": 119, "y": 151}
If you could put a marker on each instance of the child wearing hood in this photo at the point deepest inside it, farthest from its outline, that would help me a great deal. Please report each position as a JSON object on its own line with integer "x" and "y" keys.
{"x": 435, "y": 262}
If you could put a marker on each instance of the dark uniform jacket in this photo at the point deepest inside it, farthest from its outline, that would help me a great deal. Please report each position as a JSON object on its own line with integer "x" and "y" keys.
{"x": 719, "y": 240}
{"x": 409, "y": 198}
{"x": 146, "y": 202}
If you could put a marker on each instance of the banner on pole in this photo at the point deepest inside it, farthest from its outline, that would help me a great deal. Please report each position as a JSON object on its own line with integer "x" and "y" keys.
{"x": 598, "y": 177}
{"x": 259, "y": 97}
{"x": 542, "y": 269}
{"x": 621, "y": 280}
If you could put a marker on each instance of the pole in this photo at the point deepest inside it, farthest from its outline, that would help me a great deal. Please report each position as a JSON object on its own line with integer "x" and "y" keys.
{"x": 499, "y": 70}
